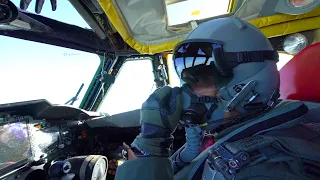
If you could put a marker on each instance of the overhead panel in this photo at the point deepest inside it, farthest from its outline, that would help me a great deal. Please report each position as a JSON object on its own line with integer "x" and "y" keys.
{"x": 157, "y": 25}
{"x": 152, "y": 26}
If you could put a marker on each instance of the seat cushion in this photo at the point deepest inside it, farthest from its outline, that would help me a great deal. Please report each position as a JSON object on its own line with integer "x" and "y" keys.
{"x": 300, "y": 77}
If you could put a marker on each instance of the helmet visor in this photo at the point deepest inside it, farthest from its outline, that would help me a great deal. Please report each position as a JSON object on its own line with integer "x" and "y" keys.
{"x": 198, "y": 55}
{"x": 202, "y": 53}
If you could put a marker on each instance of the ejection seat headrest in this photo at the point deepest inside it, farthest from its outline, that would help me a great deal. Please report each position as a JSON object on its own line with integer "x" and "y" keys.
{"x": 300, "y": 77}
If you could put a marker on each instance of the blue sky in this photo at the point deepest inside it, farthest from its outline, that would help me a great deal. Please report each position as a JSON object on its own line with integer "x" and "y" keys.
{"x": 64, "y": 12}
{"x": 32, "y": 70}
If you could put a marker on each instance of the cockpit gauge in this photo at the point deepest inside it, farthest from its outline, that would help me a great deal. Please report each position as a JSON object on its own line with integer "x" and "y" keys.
{"x": 99, "y": 170}
{"x": 92, "y": 167}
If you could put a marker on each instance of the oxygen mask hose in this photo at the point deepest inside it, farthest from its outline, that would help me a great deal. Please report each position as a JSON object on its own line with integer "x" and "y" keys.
{"x": 192, "y": 147}
{"x": 194, "y": 113}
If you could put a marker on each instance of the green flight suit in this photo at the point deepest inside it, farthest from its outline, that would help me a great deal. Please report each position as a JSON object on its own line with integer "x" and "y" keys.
{"x": 146, "y": 168}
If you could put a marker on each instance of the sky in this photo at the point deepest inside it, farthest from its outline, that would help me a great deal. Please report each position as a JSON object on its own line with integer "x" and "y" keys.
{"x": 195, "y": 9}
{"x": 134, "y": 84}
{"x": 65, "y": 12}
{"x": 31, "y": 70}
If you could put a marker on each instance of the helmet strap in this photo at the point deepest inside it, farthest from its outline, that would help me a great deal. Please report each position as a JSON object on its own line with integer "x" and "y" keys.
{"x": 244, "y": 96}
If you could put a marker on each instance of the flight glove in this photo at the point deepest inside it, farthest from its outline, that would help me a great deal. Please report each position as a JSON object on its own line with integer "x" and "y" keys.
{"x": 159, "y": 117}
{"x": 39, "y": 3}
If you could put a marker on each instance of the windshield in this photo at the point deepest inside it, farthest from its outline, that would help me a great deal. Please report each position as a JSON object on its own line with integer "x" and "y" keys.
{"x": 133, "y": 85}
{"x": 182, "y": 11}
{"x": 31, "y": 70}
{"x": 65, "y": 12}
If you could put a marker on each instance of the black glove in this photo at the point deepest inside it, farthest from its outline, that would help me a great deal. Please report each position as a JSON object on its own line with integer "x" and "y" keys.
{"x": 39, "y": 3}
{"x": 160, "y": 115}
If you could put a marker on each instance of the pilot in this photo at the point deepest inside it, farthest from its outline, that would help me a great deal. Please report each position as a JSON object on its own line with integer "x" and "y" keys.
{"x": 233, "y": 65}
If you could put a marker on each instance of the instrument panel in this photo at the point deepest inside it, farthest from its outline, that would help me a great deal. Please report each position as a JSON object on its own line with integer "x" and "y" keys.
{"x": 57, "y": 138}
{"x": 26, "y": 138}
{"x": 35, "y": 135}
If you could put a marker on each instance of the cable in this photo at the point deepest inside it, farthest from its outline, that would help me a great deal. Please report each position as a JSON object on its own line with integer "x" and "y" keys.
{"x": 191, "y": 150}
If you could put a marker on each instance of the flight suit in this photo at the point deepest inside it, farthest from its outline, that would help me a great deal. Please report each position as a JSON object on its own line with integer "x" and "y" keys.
{"x": 297, "y": 142}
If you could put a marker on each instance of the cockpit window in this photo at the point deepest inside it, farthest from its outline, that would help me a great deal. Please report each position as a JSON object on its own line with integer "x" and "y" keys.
{"x": 133, "y": 85}
{"x": 283, "y": 59}
{"x": 31, "y": 70}
{"x": 65, "y": 12}
{"x": 183, "y": 11}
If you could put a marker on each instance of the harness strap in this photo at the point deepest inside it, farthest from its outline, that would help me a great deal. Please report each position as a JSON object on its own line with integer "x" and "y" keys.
{"x": 292, "y": 146}
{"x": 259, "y": 173}
{"x": 272, "y": 119}
{"x": 266, "y": 148}
{"x": 236, "y": 58}
{"x": 267, "y": 123}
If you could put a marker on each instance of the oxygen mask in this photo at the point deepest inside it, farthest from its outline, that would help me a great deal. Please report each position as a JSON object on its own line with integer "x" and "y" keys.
{"x": 196, "y": 109}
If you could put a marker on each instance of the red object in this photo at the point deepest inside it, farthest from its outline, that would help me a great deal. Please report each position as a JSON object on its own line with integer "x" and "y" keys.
{"x": 300, "y": 77}
{"x": 207, "y": 142}
{"x": 83, "y": 134}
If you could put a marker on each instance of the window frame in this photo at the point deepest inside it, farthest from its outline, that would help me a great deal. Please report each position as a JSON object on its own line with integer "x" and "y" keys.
{"x": 83, "y": 100}
{"x": 129, "y": 59}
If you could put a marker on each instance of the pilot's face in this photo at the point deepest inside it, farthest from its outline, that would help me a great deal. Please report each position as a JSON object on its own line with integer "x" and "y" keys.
{"x": 205, "y": 87}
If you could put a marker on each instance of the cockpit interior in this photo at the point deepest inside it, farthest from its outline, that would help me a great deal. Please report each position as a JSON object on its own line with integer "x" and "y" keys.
{"x": 118, "y": 52}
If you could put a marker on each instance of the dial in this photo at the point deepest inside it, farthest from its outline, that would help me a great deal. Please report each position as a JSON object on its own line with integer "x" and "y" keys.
{"x": 99, "y": 170}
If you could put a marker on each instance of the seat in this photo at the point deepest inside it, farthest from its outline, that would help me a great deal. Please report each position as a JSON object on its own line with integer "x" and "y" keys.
{"x": 300, "y": 77}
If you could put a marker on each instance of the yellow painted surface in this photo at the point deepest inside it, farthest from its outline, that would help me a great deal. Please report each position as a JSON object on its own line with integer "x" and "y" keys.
{"x": 271, "y": 26}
